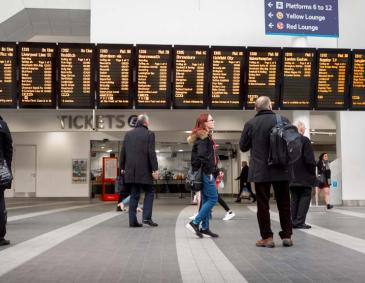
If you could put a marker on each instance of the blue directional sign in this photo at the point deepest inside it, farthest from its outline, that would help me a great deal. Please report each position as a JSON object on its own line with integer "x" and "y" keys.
{"x": 302, "y": 17}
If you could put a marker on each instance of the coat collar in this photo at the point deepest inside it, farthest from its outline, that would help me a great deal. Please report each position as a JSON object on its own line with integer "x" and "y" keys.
{"x": 264, "y": 112}
{"x": 201, "y": 134}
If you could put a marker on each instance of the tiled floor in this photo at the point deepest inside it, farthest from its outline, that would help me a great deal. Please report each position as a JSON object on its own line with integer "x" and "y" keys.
{"x": 110, "y": 251}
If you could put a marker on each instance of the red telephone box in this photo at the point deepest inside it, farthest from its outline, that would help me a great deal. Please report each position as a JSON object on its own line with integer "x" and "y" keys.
{"x": 110, "y": 173}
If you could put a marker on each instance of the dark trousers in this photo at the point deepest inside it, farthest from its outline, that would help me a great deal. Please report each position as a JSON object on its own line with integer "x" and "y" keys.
{"x": 2, "y": 214}
{"x": 135, "y": 190}
{"x": 223, "y": 203}
{"x": 281, "y": 190}
{"x": 300, "y": 201}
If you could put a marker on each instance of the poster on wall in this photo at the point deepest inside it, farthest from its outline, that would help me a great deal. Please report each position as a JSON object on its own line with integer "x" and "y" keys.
{"x": 79, "y": 171}
{"x": 110, "y": 168}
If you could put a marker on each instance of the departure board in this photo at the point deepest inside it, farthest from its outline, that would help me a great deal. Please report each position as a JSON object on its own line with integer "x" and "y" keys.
{"x": 358, "y": 80}
{"x": 37, "y": 69}
{"x": 298, "y": 78}
{"x": 153, "y": 76}
{"x": 332, "y": 80}
{"x": 76, "y": 76}
{"x": 8, "y": 84}
{"x": 263, "y": 73}
{"x": 115, "y": 76}
{"x": 227, "y": 67}
{"x": 190, "y": 79}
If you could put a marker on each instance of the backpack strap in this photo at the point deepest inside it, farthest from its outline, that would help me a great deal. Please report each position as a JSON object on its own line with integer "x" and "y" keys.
{"x": 278, "y": 118}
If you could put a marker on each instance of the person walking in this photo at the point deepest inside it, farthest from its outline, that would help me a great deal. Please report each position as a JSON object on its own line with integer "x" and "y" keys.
{"x": 304, "y": 178}
{"x": 6, "y": 153}
{"x": 244, "y": 183}
{"x": 256, "y": 137}
{"x": 138, "y": 163}
{"x": 324, "y": 177}
{"x": 204, "y": 156}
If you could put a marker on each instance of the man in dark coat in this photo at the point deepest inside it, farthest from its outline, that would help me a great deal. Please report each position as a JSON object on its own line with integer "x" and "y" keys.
{"x": 138, "y": 163}
{"x": 304, "y": 178}
{"x": 6, "y": 152}
{"x": 244, "y": 183}
{"x": 256, "y": 137}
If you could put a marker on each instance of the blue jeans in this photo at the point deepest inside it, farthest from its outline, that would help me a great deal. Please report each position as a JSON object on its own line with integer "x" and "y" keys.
{"x": 209, "y": 196}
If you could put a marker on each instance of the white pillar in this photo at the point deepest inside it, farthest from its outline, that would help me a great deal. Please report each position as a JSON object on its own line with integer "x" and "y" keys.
{"x": 350, "y": 138}
{"x": 303, "y": 116}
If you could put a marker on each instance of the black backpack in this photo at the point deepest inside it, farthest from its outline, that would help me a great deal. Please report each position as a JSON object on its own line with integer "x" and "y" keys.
{"x": 285, "y": 144}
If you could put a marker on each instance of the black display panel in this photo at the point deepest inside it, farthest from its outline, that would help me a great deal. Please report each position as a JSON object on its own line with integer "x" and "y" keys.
{"x": 76, "y": 82}
{"x": 115, "y": 76}
{"x": 8, "y": 83}
{"x": 263, "y": 66}
{"x": 227, "y": 72}
{"x": 298, "y": 78}
{"x": 153, "y": 89}
{"x": 333, "y": 70}
{"x": 191, "y": 66}
{"x": 37, "y": 75}
{"x": 358, "y": 80}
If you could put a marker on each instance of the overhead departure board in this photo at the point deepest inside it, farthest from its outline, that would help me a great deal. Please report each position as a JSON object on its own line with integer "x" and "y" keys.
{"x": 263, "y": 73}
{"x": 115, "y": 78}
{"x": 298, "y": 78}
{"x": 153, "y": 76}
{"x": 358, "y": 80}
{"x": 8, "y": 89}
{"x": 76, "y": 76}
{"x": 190, "y": 79}
{"x": 332, "y": 79}
{"x": 37, "y": 69}
{"x": 227, "y": 67}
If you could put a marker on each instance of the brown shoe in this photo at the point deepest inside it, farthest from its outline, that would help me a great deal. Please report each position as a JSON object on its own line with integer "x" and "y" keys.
{"x": 266, "y": 243}
{"x": 287, "y": 242}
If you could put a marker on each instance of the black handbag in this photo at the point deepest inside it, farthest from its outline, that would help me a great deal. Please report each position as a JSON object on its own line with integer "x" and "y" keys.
{"x": 321, "y": 180}
{"x": 5, "y": 174}
{"x": 193, "y": 181}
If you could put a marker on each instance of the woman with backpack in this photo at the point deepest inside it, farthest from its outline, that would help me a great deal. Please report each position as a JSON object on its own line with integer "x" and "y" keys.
{"x": 204, "y": 156}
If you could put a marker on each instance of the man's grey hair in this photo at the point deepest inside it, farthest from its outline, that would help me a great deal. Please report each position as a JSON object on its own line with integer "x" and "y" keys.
{"x": 300, "y": 124}
{"x": 262, "y": 103}
{"x": 143, "y": 119}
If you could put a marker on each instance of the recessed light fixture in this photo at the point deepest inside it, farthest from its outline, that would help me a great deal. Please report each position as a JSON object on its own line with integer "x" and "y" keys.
{"x": 157, "y": 150}
{"x": 180, "y": 150}
{"x": 109, "y": 150}
{"x": 188, "y": 132}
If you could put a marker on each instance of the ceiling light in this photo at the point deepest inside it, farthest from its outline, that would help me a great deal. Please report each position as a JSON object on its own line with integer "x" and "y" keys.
{"x": 109, "y": 150}
{"x": 188, "y": 132}
{"x": 157, "y": 150}
{"x": 180, "y": 150}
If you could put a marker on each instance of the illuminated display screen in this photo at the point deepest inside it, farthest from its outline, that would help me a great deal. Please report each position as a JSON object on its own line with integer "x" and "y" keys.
{"x": 227, "y": 66}
{"x": 76, "y": 76}
{"x": 358, "y": 80}
{"x": 298, "y": 78}
{"x": 263, "y": 72}
{"x": 37, "y": 65}
{"x": 153, "y": 76}
{"x": 115, "y": 77}
{"x": 190, "y": 82}
{"x": 332, "y": 79}
{"x": 8, "y": 83}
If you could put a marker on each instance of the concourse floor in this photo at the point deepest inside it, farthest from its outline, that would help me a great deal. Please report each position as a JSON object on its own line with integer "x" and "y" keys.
{"x": 88, "y": 241}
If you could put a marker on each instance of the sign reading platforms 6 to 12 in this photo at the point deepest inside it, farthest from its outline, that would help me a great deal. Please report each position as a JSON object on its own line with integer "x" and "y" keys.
{"x": 302, "y": 17}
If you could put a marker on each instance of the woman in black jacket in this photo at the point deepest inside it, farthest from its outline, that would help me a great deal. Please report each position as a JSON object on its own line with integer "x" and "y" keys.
{"x": 204, "y": 156}
{"x": 324, "y": 178}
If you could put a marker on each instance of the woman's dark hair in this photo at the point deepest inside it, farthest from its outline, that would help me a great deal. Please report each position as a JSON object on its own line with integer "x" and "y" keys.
{"x": 321, "y": 156}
